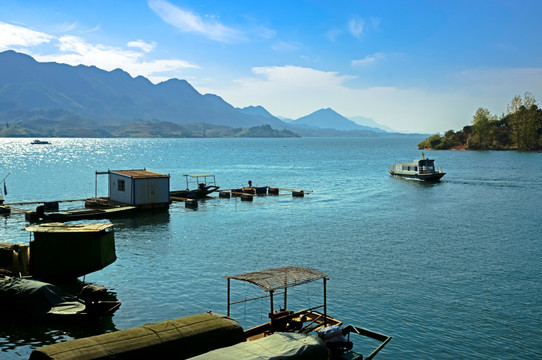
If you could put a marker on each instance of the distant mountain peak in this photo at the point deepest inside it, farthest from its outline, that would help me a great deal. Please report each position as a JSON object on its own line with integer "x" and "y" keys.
{"x": 29, "y": 85}
{"x": 327, "y": 119}
{"x": 257, "y": 110}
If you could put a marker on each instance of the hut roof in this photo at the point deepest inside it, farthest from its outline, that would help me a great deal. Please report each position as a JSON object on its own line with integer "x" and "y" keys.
{"x": 65, "y": 227}
{"x": 139, "y": 174}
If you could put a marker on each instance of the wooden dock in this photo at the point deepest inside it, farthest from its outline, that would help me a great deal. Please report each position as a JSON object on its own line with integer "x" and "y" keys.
{"x": 103, "y": 203}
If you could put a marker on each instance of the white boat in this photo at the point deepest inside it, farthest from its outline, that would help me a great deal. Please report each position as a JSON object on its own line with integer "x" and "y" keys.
{"x": 198, "y": 186}
{"x": 422, "y": 169}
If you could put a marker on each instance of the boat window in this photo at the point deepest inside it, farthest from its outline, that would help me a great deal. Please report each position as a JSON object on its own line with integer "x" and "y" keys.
{"x": 121, "y": 186}
{"x": 415, "y": 168}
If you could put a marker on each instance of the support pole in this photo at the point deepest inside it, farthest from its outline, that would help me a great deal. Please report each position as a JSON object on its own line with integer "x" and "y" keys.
{"x": 271, "y": 296}
{"x": 325, "y": 303}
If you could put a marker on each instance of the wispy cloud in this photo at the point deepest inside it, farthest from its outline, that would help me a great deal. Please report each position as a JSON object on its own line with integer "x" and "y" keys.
{"x": 12, "y": 36}
{"x": 356, "y": 27}
{"x": 283, "y": 46}
{"x": 368, "y": 60}
{"x": 187, "y": 21}
{"x": 334, "y": 33}
{"x": 359, "y": 27}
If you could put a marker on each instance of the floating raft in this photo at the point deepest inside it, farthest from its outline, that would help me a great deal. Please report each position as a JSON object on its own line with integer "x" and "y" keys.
{"x": 247, "y": 193}
{"x": 188, "y": 202}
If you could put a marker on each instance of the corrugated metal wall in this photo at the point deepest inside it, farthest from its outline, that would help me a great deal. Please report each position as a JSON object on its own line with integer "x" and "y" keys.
{"x": 151, "y": 191}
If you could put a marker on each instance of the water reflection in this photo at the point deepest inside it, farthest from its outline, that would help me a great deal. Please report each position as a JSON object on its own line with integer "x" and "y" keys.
{"x": 14, "y": 334}
{"x": 144, "y": 219}
{"x": 19, "y": 328}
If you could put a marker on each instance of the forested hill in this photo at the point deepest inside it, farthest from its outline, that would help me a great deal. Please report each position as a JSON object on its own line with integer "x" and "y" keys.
{"x": 520, "y": 129}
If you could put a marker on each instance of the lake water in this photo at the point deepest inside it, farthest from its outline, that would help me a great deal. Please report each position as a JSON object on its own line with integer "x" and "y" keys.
{"x": 449, "y": 270}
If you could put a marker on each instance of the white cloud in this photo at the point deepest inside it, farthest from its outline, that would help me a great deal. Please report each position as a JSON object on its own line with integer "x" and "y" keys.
{"x": 12, "y": 36}
{"x": 293, "y": 92}
{"x": 187, "y": 21}
{"x": 146, "y": 47}
{"x": 76, "y": 51}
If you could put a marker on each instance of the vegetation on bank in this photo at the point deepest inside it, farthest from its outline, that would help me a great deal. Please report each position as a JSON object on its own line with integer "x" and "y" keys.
{"x": 519, "y": 129}
{"x": 61, "y": 123}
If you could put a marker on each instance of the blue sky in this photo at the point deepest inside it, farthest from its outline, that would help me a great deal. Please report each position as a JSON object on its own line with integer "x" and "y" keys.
{"x": 414, "y": 66}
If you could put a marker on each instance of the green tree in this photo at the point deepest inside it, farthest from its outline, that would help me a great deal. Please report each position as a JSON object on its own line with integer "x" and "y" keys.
{"x": 481, "y": 124}
{"x": 524, "y": 117}
{"x": 513, "y": 113}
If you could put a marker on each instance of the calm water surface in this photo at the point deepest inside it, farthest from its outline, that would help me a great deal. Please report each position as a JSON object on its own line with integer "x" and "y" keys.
{"x": 449, "y": 270}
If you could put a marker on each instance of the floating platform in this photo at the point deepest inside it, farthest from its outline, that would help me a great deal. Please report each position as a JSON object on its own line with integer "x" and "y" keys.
{"x": 105, "y": 213}
{"x": 61, "y": 251}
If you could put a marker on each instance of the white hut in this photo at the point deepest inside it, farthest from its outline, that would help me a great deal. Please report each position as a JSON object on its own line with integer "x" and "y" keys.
{"x": 138, "y": 187}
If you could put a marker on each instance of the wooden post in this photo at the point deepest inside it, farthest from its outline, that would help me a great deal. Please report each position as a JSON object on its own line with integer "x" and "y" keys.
{"x": 228, "y": 297}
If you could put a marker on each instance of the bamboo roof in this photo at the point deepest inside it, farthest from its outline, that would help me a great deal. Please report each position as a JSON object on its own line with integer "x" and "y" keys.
{"x": 199, "y": 175}
{"x": 280, "y": 278}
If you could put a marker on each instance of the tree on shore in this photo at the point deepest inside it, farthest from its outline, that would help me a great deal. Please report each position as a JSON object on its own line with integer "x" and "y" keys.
{"x": 520, "y": 129}
{"x": 481, "y": 137}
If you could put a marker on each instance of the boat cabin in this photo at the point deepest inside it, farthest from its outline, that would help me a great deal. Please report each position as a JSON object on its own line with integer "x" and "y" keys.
{"x": 138, "y": 187}
{"x": 420, "y": 169}
{"x": 422, "y": 166}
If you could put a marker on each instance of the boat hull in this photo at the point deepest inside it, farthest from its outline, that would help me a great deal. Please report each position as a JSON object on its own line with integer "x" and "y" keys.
{"x": 194, "y": 194}
{"x": 420, "y": 177}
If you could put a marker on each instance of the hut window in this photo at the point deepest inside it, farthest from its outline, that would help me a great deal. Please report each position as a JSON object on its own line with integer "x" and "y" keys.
{"x": 121, "y": 185}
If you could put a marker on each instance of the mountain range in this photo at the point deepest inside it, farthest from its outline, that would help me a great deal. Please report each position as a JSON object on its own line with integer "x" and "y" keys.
{"x": 52, "y": 99}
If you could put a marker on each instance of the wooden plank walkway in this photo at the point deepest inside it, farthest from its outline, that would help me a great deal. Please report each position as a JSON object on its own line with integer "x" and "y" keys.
{"x": 41, "y": 202}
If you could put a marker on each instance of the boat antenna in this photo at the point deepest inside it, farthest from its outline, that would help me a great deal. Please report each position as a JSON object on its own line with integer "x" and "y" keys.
{"x": 5, "y": 177}
{"x": 5, "y": 192}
